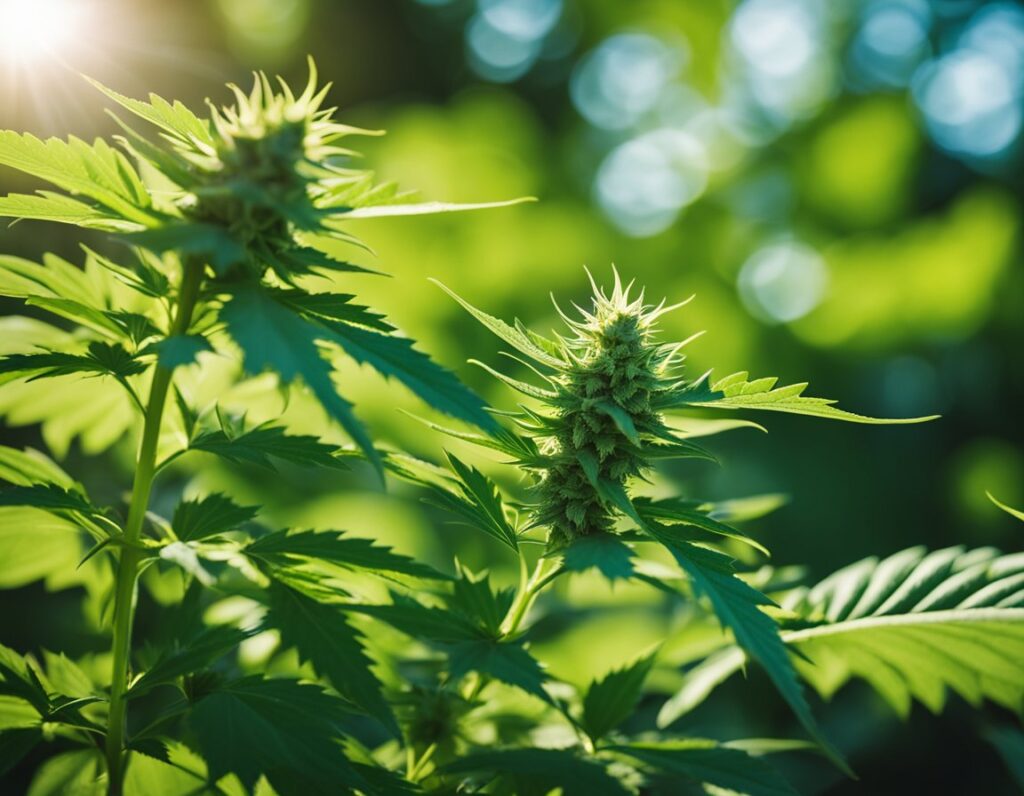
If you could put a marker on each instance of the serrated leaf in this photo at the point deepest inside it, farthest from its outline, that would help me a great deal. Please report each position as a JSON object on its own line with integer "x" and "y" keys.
{"x": 264, "y": 443}
{"x": 738, "y": 607}
{"x": 677, "y": 511}
{"x": 507, "y": 662}
{"x": 272, "y": 336}
{"x": 914, "y": 626}
{"x": 396, "y": 357}
{"x": 710, "y": 763}
{"x": 323, "y": 636}
{"x": 333, "y": 307}
{"x": 435, "y": 625}
{"x": 49, "y": 206}
{"x": 610, "y": 700}
{"x": 96, "y": 171}
{"x": 514, "y": 337}
{"x": 286, "y": 730}
{"x": 180, "y": 349}
{"x": 341, "y": 549}
{"x": 605, "y": 552}
{"x": 101, "y": 359}
{"x": 175, "y": 119}
{"x": 192, "y": 655}
{"x": 541, "y": 770}
{"x": 736, "y": 392}
{"x": 48, "y": 497}
{"x": 473, "y": 597}
{"x": 214, "y": 514}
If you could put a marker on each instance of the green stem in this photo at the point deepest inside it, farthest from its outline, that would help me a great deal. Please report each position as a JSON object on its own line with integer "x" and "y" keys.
{"x": 527, "y": 593}
{"x": 131, "y": 556}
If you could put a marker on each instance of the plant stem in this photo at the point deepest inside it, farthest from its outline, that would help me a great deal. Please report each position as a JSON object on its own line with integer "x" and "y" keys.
{"x": 538, "y": 580}
{"x": 131, "y": 556}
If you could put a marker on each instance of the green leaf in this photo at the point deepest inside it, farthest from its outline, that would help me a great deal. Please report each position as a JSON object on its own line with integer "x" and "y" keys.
{"x": 710, "y": 763}
{"x": 738, "y": 607}
{"x": 675, "y": 510}
{"x": 286, "y": 730}
{"x": 35, "y": 545}
{"x": 435, "y": 625}
{"x": 333, "y": 307}
{"x": 1012, "y": 512}
{"x": 24, "y": 468}
{"x": 15, "y": 744}
{"x": 610, "y": 701}
{"x": 474, "y": 598}
{"x": 507, "y": 662}
{"x": 735, "y": 392}
{"x": 49, "y": 206}
{"x": 340, "y": 549}
{"x": 180, "y": 349}
{"x": 323, "y": 636}
{"x": 19, "y": 679}
{"x": 209, "y": 516}
{"x": 208, "y": 241}
{"x": 264, "y": 443}
{"x": 175, "y": 119}
{"x": 541, "y": 770}
{"x": 48, "y": 497}
{"x": 102, "y": 358}
{"x": 77, "y": 773}
{"x": 272, "y": 336}
{"x": 96, "y": 171}
{"x": 605, "y": 552}
{"x": 514, "y": 337}
{"x": 913, "y": 626}
{"x": 426, "y": 208}
{"x": 190, "y": 656}
{"x": 476, "y": 499}
{"x": 395, "y": 357}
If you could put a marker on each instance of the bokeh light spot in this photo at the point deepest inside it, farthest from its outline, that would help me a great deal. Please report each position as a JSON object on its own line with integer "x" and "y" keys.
{"x": 782, "y": 281}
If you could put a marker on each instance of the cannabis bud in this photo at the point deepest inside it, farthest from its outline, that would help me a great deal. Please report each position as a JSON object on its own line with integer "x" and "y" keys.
{"x": 600, "y": 423}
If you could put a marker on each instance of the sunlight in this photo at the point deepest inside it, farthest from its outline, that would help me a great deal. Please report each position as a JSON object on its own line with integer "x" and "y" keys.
{"x": 32, "y": 29}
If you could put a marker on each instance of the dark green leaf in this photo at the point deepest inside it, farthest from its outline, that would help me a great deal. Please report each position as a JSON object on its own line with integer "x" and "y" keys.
{"x": 181, "y": 349}
{"x": 336, "y": 547}
{"x": 193, "y": 655}
{"x": 264, "y": 443}
{"x": 205, "y": 517}
{"x": 15, "y": 744}
{"x": 605, "y": 552}
{"x": 708, "y": 762}
{"x": 324, "y": 637}
{"x": 609, "y": 701}
{"x": 284, "y": 729}
{"x": 538, "y": 771}
{"x": 273, "y": 336}
{"x": 507, "y": 662}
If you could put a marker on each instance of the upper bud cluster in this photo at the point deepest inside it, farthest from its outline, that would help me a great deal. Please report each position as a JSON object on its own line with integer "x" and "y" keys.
{"x": 603, "y": 404}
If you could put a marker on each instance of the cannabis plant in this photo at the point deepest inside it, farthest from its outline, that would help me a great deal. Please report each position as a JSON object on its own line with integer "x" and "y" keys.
{"x": 295, "y": 661}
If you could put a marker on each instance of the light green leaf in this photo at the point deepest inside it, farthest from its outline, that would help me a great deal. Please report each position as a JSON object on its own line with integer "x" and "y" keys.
{"x": 425, "y": 208}
{"x": 735, "y": 392}
{"x": 1012, "y": 512}
{"x": 77, "y": 773}
{"x": 35, "y": 545}
{"x": 97, "y": 171}
{"x": 27, "y": 467}
{"x": 49, "y": 206}
{"x": 514, "y": 337}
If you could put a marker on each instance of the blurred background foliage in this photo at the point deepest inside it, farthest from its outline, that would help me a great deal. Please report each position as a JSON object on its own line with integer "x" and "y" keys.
{"x": 839, "y": 183}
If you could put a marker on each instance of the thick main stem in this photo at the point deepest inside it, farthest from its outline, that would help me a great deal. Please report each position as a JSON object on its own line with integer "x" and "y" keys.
{"x": 131, "y": 555}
